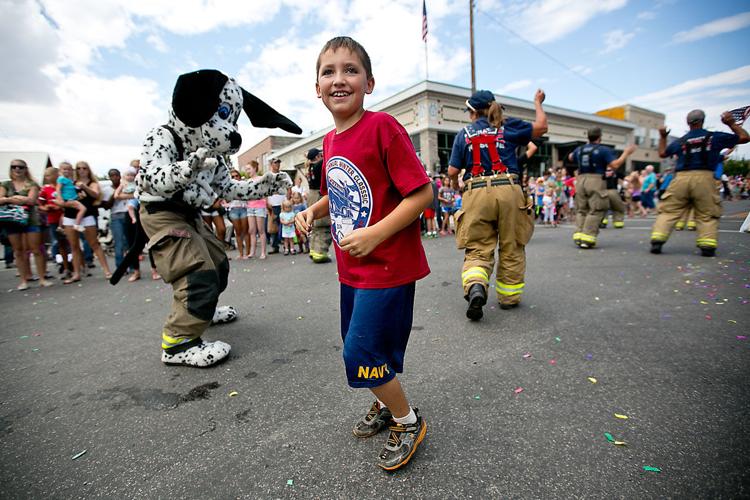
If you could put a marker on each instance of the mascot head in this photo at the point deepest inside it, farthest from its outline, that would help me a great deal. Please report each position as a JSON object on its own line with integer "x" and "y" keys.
{"x": 210, "y": 102}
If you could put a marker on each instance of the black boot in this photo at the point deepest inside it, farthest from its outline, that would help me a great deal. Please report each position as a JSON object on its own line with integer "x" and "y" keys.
{"x": 477, "y": 298}
{"x": 708, "y": 252}
{"x": 656, "y": 246}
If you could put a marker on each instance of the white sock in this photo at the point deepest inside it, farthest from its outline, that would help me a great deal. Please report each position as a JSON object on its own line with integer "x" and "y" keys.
{"x": 411, "y": 418}
{"x": 381, "y": 404}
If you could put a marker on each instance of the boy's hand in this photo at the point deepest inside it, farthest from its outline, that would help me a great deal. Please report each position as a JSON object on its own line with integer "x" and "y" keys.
{"x": 360, "y": 242}
{"x": 303, "y": 221}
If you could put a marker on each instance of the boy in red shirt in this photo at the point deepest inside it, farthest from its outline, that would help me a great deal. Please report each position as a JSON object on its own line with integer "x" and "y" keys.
{"x": 374, "y": 188}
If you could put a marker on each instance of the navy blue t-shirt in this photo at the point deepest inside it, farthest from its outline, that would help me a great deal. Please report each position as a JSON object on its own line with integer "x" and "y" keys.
{"x": 694, "y": 139}
{"x": 596, "y": 162}
{"x": 515, "y": 133}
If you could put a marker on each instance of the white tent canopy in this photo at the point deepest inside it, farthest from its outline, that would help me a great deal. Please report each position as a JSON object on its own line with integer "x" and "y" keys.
{"x": 37, "y": 162}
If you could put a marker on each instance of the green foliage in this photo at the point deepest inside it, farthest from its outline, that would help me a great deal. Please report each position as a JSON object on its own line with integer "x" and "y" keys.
{"x": 735, "y": 167}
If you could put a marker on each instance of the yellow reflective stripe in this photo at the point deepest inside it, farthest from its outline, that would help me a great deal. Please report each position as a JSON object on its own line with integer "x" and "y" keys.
{"x": 168, "y": 341}
{"x": 605, "y": 220}
{"x": 315, "y": 254}
{"x": 576, "y": 236}
{"x": 679, "y": 224}
{"x": 706, "y": 242}
{"x": 475, "y": 272}
{"x": 619, "y": 224}
{"x": 505, "y": 289}
{"x": 587, "y": 238}
{"x": 690, "y": 224}
{"x": 657, "y": 236}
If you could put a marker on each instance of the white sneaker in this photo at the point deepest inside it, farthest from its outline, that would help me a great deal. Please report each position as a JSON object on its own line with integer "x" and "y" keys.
{"x": 201, "y": 355}
{"x": 79, "y": 228}
{"x": 224, "y": 314}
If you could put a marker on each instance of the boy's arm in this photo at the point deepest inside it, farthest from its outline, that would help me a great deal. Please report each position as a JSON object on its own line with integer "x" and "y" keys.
{"x": 305, "y": 218}
{"x": 363, "y": 241}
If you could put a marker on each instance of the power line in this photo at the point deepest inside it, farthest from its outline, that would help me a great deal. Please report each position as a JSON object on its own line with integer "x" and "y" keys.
{"x": 552, "y": 58}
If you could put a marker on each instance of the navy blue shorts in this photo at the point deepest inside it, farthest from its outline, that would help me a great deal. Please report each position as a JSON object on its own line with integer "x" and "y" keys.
{"x": 375, "y": 327}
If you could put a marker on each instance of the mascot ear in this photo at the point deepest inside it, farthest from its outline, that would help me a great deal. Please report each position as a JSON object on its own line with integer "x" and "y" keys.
{"x": 196, "y": 96}
{"x": 263, "y": 115}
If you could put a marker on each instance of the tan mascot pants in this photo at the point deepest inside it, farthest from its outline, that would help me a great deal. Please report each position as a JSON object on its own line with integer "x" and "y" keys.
{"x": 188, "y": 256}
{"x": 696, "y": 189}
{"x": 320, "y": 237}
{"x": 592, "y": 202}
{"x": 494, "y": 214}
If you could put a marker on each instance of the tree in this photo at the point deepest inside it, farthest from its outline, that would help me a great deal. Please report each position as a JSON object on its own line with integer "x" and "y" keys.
{"x": 736, "y": 167}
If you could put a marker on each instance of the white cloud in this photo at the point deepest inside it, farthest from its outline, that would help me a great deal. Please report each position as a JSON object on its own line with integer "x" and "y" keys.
{"x": 714, "y": 94}
{"x": 646, "y": 15}
{"x": 581, "y": 69}
{"x": 513, "y": 86}
{"x": 714, "y": 28}
{"x": 731, "y": 77}
{"x": 157, "y": 43}
{"x": 615, "y": 40}
{"x": 544, "y": 21}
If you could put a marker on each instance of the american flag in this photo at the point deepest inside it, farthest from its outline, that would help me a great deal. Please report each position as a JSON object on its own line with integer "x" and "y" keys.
{"x": 424, "y": 21}
{"x": 741, "y": 114}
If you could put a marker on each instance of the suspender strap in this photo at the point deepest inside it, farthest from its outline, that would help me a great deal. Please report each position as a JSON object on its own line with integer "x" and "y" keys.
{"x": 177, "y": 143}
{"x": 490, "y": 142}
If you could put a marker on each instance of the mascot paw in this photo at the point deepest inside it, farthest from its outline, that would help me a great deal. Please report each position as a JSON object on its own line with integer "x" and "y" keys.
{"x": 283, "y": 180}
{"x": 224, "y": 314}
{"x": 201, "y": 354}
{"x": 199, "y": 160}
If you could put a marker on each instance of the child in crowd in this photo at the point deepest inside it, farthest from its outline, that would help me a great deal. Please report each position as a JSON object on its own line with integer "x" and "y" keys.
{"x": 446, "y": 196}
{"x": 539, "y": 191}
{"x": 298, "y": 205}
{"x": 287, "y": 226}
{"x": 374, "y": 188}
{"x": 68, "y": 192}
{"x": 548, "y": 206}
{"x": 127, "y": 186}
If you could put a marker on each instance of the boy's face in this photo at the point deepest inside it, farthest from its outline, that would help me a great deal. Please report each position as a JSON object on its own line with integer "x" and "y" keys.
{"x": 342, "y": 83}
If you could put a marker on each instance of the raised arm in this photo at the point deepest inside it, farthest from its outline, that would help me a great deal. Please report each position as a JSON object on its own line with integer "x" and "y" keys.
{"x": 615, "y": 164}
{"x": 663, "y": 133}
{"x": 539, "y": 127}
{"x": 728, "y": 119}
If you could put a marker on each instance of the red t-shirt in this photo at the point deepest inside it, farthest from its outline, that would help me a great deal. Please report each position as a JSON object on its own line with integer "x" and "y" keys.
{"x": 46, "y": 195}
{"x": 368, "y": 169}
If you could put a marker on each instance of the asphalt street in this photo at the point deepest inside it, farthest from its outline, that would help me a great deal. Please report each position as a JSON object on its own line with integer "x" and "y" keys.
{"x": 517, "y": 405}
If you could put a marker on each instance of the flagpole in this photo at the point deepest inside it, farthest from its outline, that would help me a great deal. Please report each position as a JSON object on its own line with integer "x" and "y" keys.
{"x": 471, "y": 37}
{"x": 426, "y": 67}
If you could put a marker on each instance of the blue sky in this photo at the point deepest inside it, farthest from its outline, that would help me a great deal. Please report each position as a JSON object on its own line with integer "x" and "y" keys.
{"x": 87, "y": 79}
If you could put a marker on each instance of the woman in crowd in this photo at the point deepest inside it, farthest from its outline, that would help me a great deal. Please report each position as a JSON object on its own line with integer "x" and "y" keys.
{"x": 256, "y": 217}
{"x": 238, "y": 216}
{"x": 635, "y": 186}
{"x": 23, "y": 190}
{"x": 90, "y": 196}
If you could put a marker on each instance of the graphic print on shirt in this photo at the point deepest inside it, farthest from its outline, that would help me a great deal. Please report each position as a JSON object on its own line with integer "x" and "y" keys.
{"x": 349, "y": 197}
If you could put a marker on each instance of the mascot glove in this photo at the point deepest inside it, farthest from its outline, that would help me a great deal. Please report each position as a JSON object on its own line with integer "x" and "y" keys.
{"x": 199, "y": 160}
{"x": 282, "y": 180}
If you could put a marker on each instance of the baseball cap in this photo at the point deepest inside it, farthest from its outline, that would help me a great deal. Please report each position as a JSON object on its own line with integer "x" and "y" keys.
{"x": 695, "y": 116}
{"x": 313, "y": 153}
{"x": 481, "y": 99}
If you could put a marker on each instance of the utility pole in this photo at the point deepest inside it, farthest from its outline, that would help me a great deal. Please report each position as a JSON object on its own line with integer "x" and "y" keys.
{"x": 471, "y": 37}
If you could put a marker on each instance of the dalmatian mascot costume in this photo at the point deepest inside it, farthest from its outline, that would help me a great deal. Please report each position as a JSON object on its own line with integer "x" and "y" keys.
{"x": 182, "y": 170}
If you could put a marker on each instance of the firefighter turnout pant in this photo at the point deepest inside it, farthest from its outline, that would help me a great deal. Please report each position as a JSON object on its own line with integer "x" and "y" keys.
{"x": 320, "y": 236}
{"x": 494, "y": 215}
{"x": 189, "y": 257}
{"x": 592, "y": 202}
{"x": 694, "y": 189}
{"x": 617, "y": 206}
{"x": 686, "y": 220}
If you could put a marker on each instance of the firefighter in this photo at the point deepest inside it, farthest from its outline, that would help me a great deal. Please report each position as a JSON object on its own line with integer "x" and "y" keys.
{"x": 320, "y": 237}
{"x": 496, "y": 212}
{"x": 591, "y": 198}
{"x": 698, "y": 154}
{"x": 613, "y": 179}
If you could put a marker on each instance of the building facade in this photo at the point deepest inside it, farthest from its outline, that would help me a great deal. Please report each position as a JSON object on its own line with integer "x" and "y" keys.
{"x": 432, "y": 113}
{"x": 645, "y": 135}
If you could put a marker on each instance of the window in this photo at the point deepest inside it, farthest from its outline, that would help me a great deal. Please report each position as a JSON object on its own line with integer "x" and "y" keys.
{"x": 445, "y": 145}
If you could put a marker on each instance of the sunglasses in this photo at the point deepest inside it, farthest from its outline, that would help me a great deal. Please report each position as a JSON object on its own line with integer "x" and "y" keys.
{"x": 18, "y": 167}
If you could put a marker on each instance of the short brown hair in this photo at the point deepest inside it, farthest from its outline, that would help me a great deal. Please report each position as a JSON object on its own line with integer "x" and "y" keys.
{"x": 594, "y": 134}
{"x": 345, "y": 42}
